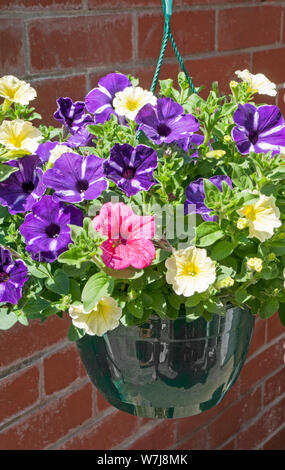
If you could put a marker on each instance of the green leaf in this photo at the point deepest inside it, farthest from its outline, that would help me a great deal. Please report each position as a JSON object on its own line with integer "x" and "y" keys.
{"x": 136, "y": 308}
{"x": 193, "y": 301}
{"x": 206, "y": 228}
{"x": 74, "y": 333}
{"x": 278, "y": 247}
{"x": 222, "y": 250}
{"x": 281, "y": 313}
{"x": 35, "y": 305}
{"x": 242, "y": 296}
{"x": 75, "y": 291}
{"x": 6, "y": 171}
{"x": 211, "y": 238}
{"x": 7, "y": 320}
{"x": 269, "y": 308}
{"x": 41, "y": 272}
{"x": 59, "y": 283}
{"x": 212, "y": 193}
{"x": 98, "y": 286}
{"x": 159, "y": 304}
{"x": 160, "y": 256}
{"x": 175, "y": 301}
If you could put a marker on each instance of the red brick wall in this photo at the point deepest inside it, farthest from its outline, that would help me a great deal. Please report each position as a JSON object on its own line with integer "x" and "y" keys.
{"x": 63, "y": 47}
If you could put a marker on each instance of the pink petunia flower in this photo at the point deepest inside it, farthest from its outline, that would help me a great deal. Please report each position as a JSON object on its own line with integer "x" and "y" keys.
{"x": 129, "y": 236}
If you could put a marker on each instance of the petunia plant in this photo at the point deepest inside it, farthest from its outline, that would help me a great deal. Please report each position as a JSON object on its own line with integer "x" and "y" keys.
{"x": 138, "y": 204}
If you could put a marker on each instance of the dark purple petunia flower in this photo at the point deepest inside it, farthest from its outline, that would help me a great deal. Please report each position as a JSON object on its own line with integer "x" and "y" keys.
{"x": 195, "y": 195}
{"x": 44, "y": 150}
{"x": 165, "y": 122}
{"x": 131, "y": 168}
{"x": 24, "y": 187}
{"x": 191, "y": 142}
{"x": 71, "y": 115}
{"x": 75, "y": 178}
{"x": 46, "y": 230}
{"x": 259, "y": 130}
{"x": 13, "y": 275}
{"x": 99, "y": 101}
{"x": 81, "y": 138}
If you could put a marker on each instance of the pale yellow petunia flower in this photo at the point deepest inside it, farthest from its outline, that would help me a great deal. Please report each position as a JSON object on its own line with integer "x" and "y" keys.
{"x": 258, "y": 83}
{"x": 102, "y": 318}
{"x": 129, "y": 101}
{"x": 16, "y": 91}
{"x": 19, "y": 135}
{"x": 190, "y": 271}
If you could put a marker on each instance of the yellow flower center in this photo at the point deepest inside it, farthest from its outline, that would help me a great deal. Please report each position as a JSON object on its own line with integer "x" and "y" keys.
{"x": 11, "y": 91}
{"x": 132, "y": 104}
{"x": 250, "y": 212}
{"x": 190, "y": 269}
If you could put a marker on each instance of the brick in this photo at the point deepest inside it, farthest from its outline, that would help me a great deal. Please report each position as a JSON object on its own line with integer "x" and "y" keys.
{"x": 258, "y": 337}
{"x": 198, "y": 441}
{"x": 160, "y": 437}
{"x": 193, "y": 32}
{"x": 269, "y": 63}
{"x": 50, "y": 423}
{"x": 105, "y": 434}
{"x": 231, "y": 420}
{"x": 12, "y": 58}
{"x": 18, "y": 392}
{"x": 23, "y": 341}
{"x": 229, "y": 446}
{"x": 261, "y": 365}
{"x": 277, "y": 442}
{"x": 262, "y": 428}
{"x": 81, "y": 41}
{"x": 39, "y": 4}
{"x": 49, "y": 90}
{"x": 221, "y": 69}
{"x": 102, "y": 404}
{"x": 61, "y": 369}
{"x": 274, "y": 387}
{"x": 209, "y": 2}
{"x": 237, "y": 29}
{"x": 274, "y": 325}
{"x": 122, "y": 3}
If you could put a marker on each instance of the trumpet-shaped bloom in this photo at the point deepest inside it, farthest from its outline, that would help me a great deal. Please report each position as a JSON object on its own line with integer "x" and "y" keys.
{"x": 263, "y": 217}
{"x": 166, "y": 122}
{"x": 75, "y": 178}
{"x": 190, "y": 271}
{"x": 195, "y": 195}
{"x": 46, "y": 230}
{"x": 131, "y": 168}
{"x": 19, "y": 135}
{"x": 129, "y": 236}
{"x": 71, "y": 115}
{"x": 16, "y": 91}
{"x": 102, "y": 318}
{"x": 258, "y": 83}
{"x": 99, "y": 101}
{"x": 129, "y": 101}
{"x": 259, "y": 130}
{"x": 13, "y": 275}
{"x": 23, "y": 188}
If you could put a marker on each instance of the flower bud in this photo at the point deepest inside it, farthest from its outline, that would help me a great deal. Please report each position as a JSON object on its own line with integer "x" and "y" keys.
{"x": 255, "y": 264}
{"x": 242, "y": 223}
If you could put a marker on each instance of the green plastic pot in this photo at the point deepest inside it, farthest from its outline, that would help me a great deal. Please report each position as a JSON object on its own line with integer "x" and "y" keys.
{"x": 169, "y": 368}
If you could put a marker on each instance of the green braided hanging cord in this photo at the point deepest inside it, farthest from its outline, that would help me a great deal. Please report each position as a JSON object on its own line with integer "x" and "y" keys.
{"x": 167, "y": 11}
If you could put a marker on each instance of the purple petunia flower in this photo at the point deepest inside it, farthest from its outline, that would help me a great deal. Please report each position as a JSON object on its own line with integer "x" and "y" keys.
{"x": 46, "y": 230}
{"x": 166, "y": 122}
{"x": 131, "y": 168}
{"x": 99, "y": 101}
{"x": 71, "y": 115}
{"x": 13, "y": 275}
{"x": 23, "y": 188}
{"x": 195, "y": 195}
{"x": 81, "y": 138}
{"x": 43, "y": 151}
{"x": 75, "y": 178}
{"x": 259, "y": 130}
{"x": 191, "y": 142}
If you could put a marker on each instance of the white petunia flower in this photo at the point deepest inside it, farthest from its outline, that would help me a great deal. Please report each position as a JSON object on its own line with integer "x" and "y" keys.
{"x": 258, "y": 83}
{"x": 16, "y": 91}
{"x": 190, "y": 271}
{"x": 20, "y": 135}
{"x": 129, "y": 101}
{"x": 263, "y": 217}
{"x": 103, "y": 317}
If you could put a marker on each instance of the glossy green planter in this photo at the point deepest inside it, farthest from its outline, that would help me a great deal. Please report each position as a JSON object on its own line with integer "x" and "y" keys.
{"x": 166, "y": 368}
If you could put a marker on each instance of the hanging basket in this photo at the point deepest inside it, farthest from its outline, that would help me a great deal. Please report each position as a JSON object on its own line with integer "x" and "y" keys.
{"x": 169, "y": 368}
